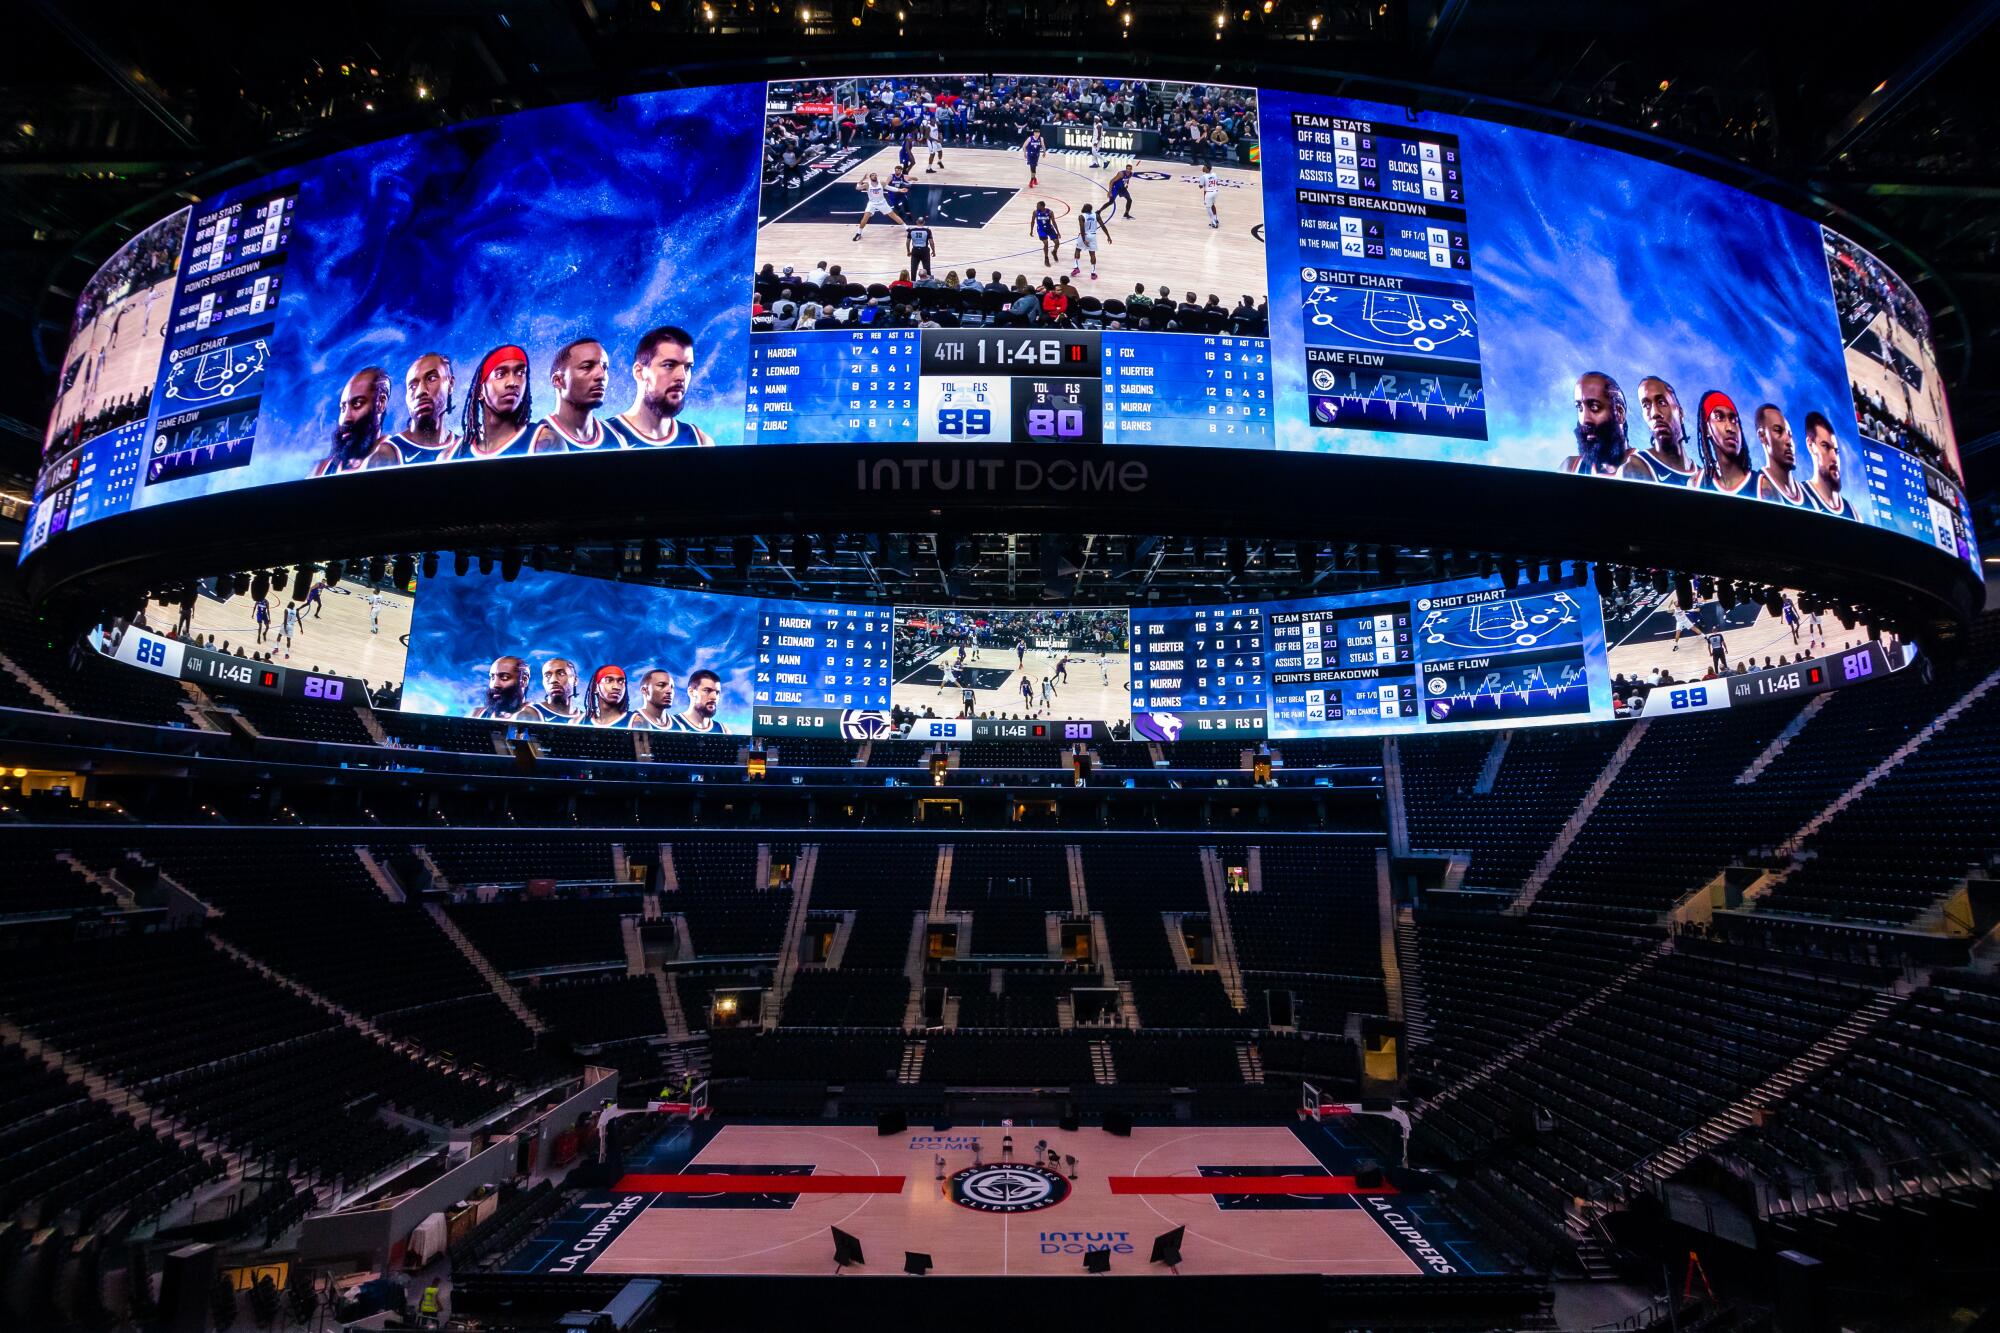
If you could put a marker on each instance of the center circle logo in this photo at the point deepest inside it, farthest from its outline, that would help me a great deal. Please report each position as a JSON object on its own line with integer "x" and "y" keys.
{"x": 1008, "y": 1187}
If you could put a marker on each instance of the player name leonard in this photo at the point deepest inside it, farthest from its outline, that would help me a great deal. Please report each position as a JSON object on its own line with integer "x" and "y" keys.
{"x": 999, "y": 474}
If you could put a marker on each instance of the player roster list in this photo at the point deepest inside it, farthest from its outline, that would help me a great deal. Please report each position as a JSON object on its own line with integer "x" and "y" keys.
{"x": 823, "y": 657}
{"x": 1204, "y": 664}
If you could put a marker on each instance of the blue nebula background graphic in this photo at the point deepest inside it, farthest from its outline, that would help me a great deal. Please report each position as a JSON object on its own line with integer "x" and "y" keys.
{"x": 533, "y": 228}
{"x": 462, "y": 624}
{"x": 1589, "y": 259}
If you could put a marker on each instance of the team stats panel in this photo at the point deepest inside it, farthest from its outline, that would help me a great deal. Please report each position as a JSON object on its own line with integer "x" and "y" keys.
{"x": 1008, "y": 386}
{"x": 1385, "y": 262}
{"x": 1446, "y": 655}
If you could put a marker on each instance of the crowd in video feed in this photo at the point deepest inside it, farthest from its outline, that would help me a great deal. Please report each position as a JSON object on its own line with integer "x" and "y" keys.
{"x": 832, "y": 126}
{"x": 122, "y": 411}
{"x": 1725, "y": 449}
{"x": 492, "y": 408}
{"x": 147, "y": 259}
{"x": 1195, "y": 122}
{"x": 1864, "y": 289}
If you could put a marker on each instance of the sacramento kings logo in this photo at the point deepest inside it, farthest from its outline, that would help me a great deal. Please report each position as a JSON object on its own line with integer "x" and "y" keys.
{"x": 1009, "y": 1187}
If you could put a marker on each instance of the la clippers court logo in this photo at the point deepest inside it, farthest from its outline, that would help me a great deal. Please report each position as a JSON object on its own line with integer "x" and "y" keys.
{"x": 1009, "y": 1187}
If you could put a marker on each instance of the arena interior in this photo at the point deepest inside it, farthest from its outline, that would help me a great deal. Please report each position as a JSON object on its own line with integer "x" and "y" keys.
{"x": 1497, "y": 826}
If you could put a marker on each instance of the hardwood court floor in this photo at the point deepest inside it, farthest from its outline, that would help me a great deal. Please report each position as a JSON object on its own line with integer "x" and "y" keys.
{"x": 117, "y": 354}
{"x": 1099, "y": 687}
{"x": 1334, "y": 1233}
{"x": 1166, "y": 241}
{"x": 337, "y": 642}
{"x": 1923, "y": 405}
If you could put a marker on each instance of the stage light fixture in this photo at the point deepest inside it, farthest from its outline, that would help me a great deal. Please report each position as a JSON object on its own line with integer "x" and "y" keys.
{"x": 225, "y": 584}
{"x": 649, "y": 556}
{"x": 242, "y": 584}
{"x": 1238, "y": 556}
{"x": 802, "y": 552}
{"x": 510, "y": 564}
{"x": 1683, "y": 592}
{"x": 461, "y": 563}
{"x": 376, "y": 569}
{"x": 486, "y": 562}
{"x": 1726, "y": 594}
{"x": 260, "y": 587}
{"x": 742, "y": 551}
{"x": 1308, "y": 561}
{"x": 333, "y": 573}
{"x": 1774, "y": 601}
{"x": 301, "y": 582}
{"x": 429, "y": 564}
{"x": 1388, "y": 563}
{"x": 406, "y": 570}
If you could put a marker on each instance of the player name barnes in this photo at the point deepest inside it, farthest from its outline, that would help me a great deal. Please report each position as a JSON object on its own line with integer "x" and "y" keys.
{"x": 999, "y": 474}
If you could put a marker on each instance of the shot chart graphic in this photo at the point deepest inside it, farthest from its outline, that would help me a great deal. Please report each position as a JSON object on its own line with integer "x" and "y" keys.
{"x": 1401, "y": 321}
{"x": 1527, "y": 622}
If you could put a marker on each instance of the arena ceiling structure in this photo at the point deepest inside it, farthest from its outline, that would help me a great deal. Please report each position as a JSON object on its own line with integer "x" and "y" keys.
{"x": 118, "y": 113}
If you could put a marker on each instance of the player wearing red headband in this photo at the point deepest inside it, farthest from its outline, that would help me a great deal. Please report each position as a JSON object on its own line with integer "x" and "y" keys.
{"x": 500, "y": 407}
{"x": 607, "y": 706}
{"x": 661, "y": 368}
{"x": 580, "y": 376}
{"x": 1726, "y": 466}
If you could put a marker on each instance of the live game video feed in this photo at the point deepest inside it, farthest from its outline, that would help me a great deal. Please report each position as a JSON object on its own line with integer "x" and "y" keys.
{"x": 1011, "y": 664}
{"x": 104, "y": 389}
{"x": 345, "y": 639}
{"x": 993, "y": 258}
{"x": 574, "y": 651}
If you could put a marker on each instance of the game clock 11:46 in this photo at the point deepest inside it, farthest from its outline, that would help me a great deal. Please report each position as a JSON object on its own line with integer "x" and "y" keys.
{"x": 1000, "y": 386}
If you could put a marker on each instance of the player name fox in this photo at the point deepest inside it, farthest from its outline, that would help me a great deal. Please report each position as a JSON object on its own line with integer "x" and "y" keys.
{"x": 998, "y": 474}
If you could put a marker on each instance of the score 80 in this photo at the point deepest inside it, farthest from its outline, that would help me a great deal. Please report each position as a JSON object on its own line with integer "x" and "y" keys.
{"x": 1055, "y": 423}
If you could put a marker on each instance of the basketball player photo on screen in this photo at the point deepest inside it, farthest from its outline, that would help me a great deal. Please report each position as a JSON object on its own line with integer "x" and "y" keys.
{"x": 566, "y": 650}
{"x": 1013, "y": 664}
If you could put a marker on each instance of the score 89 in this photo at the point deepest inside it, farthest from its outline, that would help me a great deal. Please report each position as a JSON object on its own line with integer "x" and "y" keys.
{"x": 964, "y": 421}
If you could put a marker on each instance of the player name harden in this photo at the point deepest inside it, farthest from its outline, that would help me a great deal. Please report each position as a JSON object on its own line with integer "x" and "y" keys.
{"x": 999, "y": 474}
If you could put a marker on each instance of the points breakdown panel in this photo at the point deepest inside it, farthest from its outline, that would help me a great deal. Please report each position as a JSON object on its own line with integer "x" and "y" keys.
{"x": 1392, "y": 331}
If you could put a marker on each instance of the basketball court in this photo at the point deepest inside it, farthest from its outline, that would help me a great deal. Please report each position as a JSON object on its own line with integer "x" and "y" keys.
{"x": 981, "y": 207}
{"x": 1890, "y": 363}
{"x": 991, "y": 1201}
{"x": 1098, "y": 688}
{"x": 1646, "y": 639}
{"x": 338, "y": 641}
